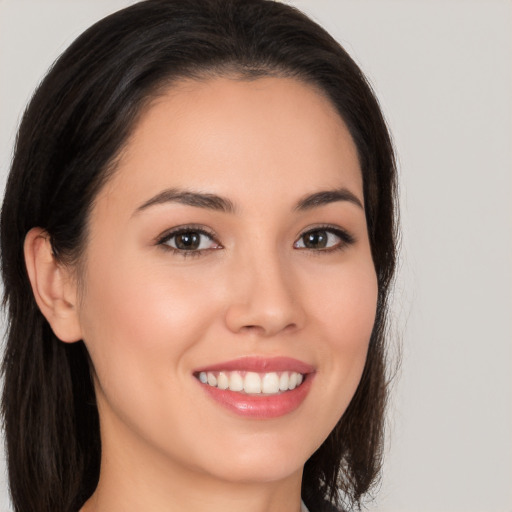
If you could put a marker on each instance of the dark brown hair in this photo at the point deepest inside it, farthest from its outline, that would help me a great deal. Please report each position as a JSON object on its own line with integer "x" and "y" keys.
{"x": 73, "y": 129}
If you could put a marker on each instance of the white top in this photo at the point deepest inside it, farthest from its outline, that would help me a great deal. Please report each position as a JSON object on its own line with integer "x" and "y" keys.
{"x": 303, "y": 507}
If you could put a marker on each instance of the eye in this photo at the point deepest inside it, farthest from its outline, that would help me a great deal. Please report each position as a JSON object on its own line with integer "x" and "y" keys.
{"x": 324, "y": 239}
{"x": 189, "y": 240}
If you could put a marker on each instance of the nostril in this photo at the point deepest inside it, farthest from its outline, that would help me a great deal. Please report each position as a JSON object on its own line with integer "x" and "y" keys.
{"x": 251, "y": 327}
{"x": 268, "y": 330}
{"x": 263, "y": 317}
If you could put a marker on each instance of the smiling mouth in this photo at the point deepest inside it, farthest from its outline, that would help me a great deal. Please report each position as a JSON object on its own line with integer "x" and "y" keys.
{"x": 252, "y": 383}
{"x": 258, "y": 387}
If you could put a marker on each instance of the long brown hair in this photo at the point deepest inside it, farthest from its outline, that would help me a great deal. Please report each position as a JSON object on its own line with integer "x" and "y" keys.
{"x": 72, "y": 130}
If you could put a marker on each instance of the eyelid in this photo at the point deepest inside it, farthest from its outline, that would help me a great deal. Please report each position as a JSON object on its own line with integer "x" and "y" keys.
{"x": 186, "y": 228}
{"x": 345, "y": 237}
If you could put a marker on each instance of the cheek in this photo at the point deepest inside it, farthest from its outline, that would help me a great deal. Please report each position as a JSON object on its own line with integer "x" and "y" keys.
{"x": 132, "y": 314}
{"x": 345, "y": 316}
{"x": 357, "y": 309}
{"x": 345, "y": 304}
{"x": 140, "y": 327}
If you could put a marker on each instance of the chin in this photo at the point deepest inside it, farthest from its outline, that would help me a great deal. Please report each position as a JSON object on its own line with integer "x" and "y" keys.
{"x": 265, "y": 470}
{"x": 261, "y": 458}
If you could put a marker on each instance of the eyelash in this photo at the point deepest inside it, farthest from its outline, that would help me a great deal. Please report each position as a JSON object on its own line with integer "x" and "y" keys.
{"x": 169, "y": 235}
{"x": 345, "y": 238}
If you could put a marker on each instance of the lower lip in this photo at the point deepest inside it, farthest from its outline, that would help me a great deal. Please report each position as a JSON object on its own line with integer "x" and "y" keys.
{"x": 260, "y": 406}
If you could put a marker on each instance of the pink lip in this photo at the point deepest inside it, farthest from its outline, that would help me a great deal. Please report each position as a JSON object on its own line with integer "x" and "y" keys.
{"x": 260, "y": 365}
{"x": 261, "y": 406}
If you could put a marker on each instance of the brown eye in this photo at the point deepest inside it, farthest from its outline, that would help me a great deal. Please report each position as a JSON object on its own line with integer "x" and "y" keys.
{"x": 323, "y": 239}
{"x": 316, "y": 239}
{"x": 189, "y": 240}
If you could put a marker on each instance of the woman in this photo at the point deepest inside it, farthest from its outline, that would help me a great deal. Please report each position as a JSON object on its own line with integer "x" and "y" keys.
{"x": 198, "y": 238}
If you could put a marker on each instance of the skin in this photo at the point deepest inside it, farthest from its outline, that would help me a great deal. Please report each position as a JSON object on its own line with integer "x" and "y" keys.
{"x": 150, "y": 316}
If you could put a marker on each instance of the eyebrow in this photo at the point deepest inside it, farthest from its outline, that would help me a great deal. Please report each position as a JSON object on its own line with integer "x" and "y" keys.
{"x": 328, "y": 196}
{"x": 197, "y": 199}
{"x": 222, "y": 204}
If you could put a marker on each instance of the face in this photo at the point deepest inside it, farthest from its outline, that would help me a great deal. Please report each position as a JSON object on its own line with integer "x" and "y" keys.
{"x": 229, "y": 291}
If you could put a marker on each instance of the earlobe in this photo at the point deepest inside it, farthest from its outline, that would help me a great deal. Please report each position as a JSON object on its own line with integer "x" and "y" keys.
{"x": 54, "y": 288}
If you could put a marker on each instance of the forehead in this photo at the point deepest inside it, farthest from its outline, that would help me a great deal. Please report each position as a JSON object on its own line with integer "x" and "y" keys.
{"x": 238, "y": 137}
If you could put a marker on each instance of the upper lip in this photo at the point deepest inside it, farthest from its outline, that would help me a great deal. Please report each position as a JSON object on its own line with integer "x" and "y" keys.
{"x": 260, "y": 365}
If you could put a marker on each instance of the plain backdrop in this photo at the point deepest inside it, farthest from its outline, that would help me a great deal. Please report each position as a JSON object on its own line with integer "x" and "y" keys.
{"x": 443, "y": 73}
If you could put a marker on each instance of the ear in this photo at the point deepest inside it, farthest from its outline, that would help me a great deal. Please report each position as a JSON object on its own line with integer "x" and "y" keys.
{"x": 53, "y": 286}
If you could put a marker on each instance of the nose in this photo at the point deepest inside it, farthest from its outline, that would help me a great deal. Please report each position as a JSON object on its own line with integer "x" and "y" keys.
{"x": 265, "y": 300}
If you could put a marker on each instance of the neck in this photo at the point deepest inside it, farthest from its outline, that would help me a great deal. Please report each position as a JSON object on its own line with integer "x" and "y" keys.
{"x": 134, "y": 478}
{"x": 192, "y": 493}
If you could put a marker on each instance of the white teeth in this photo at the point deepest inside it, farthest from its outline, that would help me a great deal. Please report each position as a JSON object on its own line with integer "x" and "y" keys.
{"x": 222, "y": 381}
{"x": 283, "y": 381}
{"x": 292, "y": 383}
{"x": 270, "y": 383}
{"x": 253, "y": 383}
{"x": 236, "y": 382}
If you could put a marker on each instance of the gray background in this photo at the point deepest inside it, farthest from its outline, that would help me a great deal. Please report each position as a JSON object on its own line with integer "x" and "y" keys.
{"x": 443, "y": 73}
